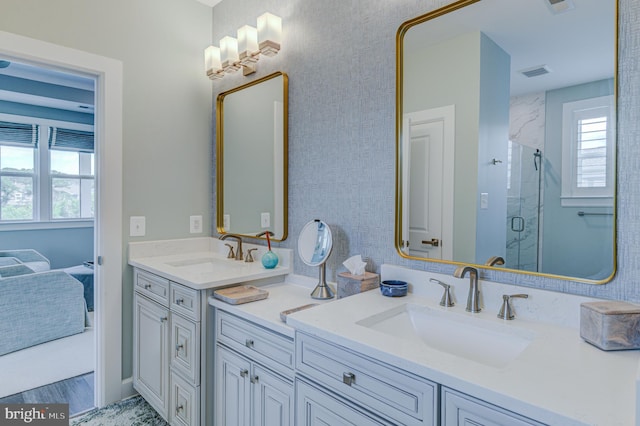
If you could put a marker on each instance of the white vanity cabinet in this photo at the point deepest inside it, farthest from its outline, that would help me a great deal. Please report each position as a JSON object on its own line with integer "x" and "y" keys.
{"x": 166, "y": 351}
{"x": 254, "y": 374}
{"x": 388, "y": 392}
{"x": 338, "y": 386}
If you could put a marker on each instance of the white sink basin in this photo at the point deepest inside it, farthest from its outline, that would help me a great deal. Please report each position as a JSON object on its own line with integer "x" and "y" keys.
{"x": 490, "y": 343}
{"x": 207, "y": 264}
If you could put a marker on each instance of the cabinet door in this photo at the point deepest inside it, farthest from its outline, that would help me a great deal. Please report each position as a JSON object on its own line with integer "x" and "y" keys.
{"x": 461, "y": 409}
{"x": 184, "y": 408}
{"x": 315, "y": 407}
{"x": 151, "y": 353}
{"x": 185, "y": 348}
{"x": 233, "y": 389}
{"x": 272, "y": 398}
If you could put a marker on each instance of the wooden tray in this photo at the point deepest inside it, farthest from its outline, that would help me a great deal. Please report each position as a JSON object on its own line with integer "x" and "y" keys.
{"x": 240, "y": 294}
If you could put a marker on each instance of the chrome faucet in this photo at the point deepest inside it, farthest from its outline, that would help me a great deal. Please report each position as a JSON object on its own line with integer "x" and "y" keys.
{"x": 494, "y": 260}
{"x": 474, "y": 291}
{"x": 239, "y": 255}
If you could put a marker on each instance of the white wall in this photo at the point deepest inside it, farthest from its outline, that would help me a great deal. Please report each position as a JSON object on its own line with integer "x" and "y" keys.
{"x": 167, "y": 103}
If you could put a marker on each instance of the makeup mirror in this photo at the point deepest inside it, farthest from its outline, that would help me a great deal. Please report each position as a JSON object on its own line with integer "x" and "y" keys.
{"x": 314, "y": 247}
{"x": 506, "y": 136}
{"x": 251, "y": 160}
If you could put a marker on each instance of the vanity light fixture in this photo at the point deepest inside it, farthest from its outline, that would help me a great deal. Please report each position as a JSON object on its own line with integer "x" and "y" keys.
{"x": 244, "y": 51}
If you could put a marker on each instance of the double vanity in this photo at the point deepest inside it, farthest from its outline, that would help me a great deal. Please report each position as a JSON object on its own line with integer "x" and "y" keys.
{"x": 365, "y": 359}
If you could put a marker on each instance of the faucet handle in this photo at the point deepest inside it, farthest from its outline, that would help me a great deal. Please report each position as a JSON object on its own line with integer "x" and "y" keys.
{"x": 249, "y": 257}
{"x": 230, "y": 255}
{"x": 446, "y": 296}
{"x": 506, "y": 312}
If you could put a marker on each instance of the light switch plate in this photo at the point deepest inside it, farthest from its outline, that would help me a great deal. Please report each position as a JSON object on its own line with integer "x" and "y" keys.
{"x": 195, "y": 224}
{"x": 265, "y": 220}
{"x": 137, "y": 226}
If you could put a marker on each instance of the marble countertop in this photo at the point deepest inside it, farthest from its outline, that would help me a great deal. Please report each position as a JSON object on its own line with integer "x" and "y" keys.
{"x": 558, "y": 379}
{"x": 201, "y": 263}
{"x": 266, "y": 312}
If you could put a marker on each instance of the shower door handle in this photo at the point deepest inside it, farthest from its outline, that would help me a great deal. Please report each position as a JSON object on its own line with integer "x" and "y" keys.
{"x": 517, "y": 223}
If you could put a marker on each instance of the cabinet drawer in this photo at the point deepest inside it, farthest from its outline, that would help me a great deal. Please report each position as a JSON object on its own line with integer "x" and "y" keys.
{"x": 154, "y": 287}
{"x": 458, "y": 408}
{"x": 387, "y": 390}
{"x": 315, "y": 407}
{"x": 257, "y": 343}
{"x": 185, "y": 301}
{"x": 184, "y": 403}
{"x": 185, "y": 348}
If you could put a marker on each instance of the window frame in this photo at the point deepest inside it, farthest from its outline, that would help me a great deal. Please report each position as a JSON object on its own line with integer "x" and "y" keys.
{"x": 572, "y": 195}
{"x": 43, "y": 180}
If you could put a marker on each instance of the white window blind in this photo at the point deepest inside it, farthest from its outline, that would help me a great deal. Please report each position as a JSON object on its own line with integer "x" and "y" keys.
{"x": 588, "y": 152}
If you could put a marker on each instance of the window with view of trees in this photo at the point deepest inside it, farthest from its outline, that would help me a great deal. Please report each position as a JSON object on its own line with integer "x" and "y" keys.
{"x": 45, "y": 181}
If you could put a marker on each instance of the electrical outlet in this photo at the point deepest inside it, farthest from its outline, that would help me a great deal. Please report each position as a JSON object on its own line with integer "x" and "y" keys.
{"x": 137, "y": 226}
{"x": 484, "y": 200}
{"x": 195, "y": 224}
{"x": 265, "y": 220}
{"x": 226, "y": 222}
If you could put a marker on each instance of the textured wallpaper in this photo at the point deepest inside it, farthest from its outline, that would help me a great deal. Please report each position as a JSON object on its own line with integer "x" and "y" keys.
{"x": 340, "y": 58}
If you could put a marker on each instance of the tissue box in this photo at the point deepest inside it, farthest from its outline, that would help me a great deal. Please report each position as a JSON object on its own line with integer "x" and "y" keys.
{"x": 349, "y": 284}
{"x": 610, "y": 325}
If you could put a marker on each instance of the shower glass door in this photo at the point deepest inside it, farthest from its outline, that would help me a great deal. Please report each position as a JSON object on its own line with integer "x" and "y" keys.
{"x": 523, "y": 207}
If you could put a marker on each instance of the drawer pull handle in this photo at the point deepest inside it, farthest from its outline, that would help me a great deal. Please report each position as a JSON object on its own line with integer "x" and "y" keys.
{"x": 254, "y": 379}
{"x": 163, "y": 319}
{"x": 348, "y": 378}
{"x": 179, "y": 408}
{"x": 244, "y": 373}
{"x": 248, "y": 343}
{"x": 147, "y": 286}
{"x": 179, "y": 347}
{"x": 179, "y": 301}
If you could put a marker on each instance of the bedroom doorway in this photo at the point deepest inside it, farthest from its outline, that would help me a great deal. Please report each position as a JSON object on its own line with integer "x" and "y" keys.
{"x": 108, "y": 241}
{"x": 48, "y": 206}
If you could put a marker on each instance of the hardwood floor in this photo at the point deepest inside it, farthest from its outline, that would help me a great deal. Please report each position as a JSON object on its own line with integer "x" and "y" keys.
{"x": 76, "y": 391}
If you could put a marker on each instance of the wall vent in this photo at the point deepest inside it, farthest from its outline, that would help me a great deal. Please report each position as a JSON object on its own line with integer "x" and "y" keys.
{"x": 535, "y": 71}
{"x": 559, "y": 6}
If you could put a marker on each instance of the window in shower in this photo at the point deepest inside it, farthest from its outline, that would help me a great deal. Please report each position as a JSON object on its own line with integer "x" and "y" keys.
{"x": 588, "y": 152}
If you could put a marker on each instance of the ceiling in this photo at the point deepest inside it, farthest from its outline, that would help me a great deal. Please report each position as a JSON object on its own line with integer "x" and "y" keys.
{"x": 577, "y": 45}
{"x": 209, "y": 2}
{"x": 29, "y": 84}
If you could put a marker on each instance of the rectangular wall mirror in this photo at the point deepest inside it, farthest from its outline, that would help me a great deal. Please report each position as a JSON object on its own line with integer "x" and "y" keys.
{"x": 251, "y": 160}
{"x": 506, "y": 136}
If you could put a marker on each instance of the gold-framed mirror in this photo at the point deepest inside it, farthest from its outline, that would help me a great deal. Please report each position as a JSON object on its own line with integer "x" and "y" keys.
{"x": 252, "y": 158}
{"x": 505, "y": 136}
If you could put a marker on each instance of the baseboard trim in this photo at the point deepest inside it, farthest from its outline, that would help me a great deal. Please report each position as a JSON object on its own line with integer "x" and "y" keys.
{"x": 127, "y": 390}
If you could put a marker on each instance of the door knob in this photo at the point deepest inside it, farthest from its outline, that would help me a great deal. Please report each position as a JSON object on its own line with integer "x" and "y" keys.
{"x": 434, "y": 242}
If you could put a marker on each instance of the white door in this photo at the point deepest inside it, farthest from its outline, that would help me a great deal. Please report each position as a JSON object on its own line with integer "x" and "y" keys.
{"x": 428, "y": 144}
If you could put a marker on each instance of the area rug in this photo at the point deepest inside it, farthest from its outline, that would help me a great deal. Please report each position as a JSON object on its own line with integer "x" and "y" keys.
{"x": 46, "y": 363}
{"x": 134, "y": 411}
